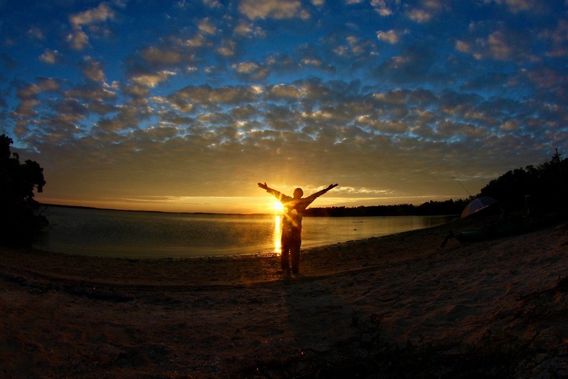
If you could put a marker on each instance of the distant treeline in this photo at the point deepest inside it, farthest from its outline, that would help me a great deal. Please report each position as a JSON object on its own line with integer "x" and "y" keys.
{"x": 431, "y": 208}
{"x": 540, "y": 189}
{"x": 532, "y": 190}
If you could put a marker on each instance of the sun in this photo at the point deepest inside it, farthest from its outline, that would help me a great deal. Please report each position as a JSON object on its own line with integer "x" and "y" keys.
{"x": 277, "y": 207}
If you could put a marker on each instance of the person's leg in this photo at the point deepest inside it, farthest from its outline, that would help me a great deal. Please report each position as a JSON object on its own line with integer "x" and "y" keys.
{"x": 295, "y": 252}
{"x": 284, "y": 256}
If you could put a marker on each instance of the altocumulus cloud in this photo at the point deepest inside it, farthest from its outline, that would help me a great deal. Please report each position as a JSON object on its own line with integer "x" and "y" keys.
{"x": 206, "y": 98}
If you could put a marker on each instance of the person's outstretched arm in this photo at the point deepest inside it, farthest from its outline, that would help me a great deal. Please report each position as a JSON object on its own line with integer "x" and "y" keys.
{"x": 314, "y": 196}
{"x": 277, "y": 194}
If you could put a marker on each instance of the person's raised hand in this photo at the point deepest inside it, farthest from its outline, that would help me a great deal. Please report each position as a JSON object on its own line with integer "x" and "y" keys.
{"x": 332, "y": 186}
{"x": 263, "y": 185}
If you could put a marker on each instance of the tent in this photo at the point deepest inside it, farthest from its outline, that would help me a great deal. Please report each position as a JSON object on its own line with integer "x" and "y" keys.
{"x": 477, "y": 205}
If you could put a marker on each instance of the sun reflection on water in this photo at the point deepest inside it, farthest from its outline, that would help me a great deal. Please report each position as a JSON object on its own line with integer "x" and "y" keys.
{"x": 277, "y": 233}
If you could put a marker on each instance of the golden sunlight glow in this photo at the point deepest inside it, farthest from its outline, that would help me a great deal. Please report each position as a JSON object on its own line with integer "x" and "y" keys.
{"x": 277, "y": 207}
{"x": 277, "y": 234}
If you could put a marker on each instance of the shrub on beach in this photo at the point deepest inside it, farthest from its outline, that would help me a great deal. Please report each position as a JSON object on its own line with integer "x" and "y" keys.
{"x": 19, "y": 218}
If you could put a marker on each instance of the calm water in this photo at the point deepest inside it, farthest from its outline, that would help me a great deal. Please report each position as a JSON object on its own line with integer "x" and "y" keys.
{"x": 160, "y": 235}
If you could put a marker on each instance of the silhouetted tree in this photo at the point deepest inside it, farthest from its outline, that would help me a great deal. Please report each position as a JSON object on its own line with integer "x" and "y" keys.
{"x": 431, "y": 208}
{"x": 19, "y": 218}
{"x": 538, "y": 190}
{"x": 541, "y": 189}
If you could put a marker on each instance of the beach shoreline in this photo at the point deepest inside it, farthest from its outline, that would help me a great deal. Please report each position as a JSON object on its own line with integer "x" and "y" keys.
{"x": 70, "y": 315}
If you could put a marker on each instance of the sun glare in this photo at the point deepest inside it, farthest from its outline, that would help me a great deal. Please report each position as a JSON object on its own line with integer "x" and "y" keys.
{"x": 277, "y": 235}
{"x": 277, "y": 207}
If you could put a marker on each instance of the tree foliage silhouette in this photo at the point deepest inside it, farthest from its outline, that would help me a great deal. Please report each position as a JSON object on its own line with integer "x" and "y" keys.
{"x": 541, "y": 189}
{"x": 430, "y": 208}
{"x": 19, "y": 218}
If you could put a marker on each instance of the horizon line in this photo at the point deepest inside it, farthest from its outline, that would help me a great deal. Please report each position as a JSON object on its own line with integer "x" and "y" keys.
{"x": 222, "y": 213}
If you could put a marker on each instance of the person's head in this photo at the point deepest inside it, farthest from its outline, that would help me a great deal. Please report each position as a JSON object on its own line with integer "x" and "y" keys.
{"x": 298, "y": 193}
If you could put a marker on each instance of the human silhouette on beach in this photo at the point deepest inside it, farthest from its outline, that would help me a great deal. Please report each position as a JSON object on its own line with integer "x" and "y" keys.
{"x": 294, "y": 208}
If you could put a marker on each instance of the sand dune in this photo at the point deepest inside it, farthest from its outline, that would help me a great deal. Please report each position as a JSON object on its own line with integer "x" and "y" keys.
{"x": 397, "y": 305}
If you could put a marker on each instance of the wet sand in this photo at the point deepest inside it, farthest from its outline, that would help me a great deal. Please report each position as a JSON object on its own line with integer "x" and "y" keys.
{"x": 396, "y": 305}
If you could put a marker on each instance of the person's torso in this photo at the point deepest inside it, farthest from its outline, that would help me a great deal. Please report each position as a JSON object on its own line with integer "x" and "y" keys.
{"x": 293, "y": 213}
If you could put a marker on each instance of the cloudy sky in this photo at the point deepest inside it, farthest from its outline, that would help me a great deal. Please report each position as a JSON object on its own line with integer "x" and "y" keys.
{"x": 186, "y": 105}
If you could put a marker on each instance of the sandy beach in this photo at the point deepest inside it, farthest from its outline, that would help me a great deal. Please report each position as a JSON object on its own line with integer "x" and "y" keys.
{"x": 398, "y": 306}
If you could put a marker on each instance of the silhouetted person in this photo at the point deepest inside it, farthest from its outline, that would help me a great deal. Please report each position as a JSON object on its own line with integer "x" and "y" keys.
{"x": 294, "y": 208}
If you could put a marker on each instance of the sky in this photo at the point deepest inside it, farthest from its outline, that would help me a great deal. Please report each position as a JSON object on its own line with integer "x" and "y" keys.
{"x": 186, "y": 105}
